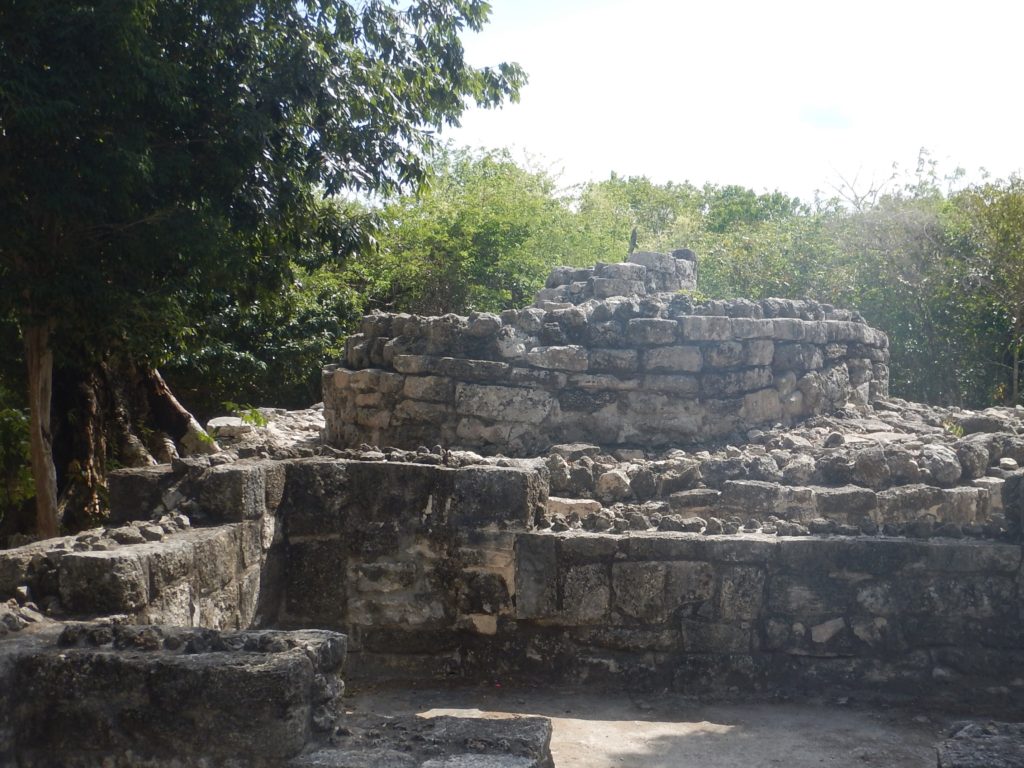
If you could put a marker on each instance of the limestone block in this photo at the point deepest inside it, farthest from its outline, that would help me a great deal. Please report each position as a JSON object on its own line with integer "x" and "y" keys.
{"x": 723, "y": 354}
{"x": 535, "y": 377}
{"x": 433, "y": 388}
{"x": 512, "y": 343}
{"x": 569, "y": 319}
{"x": 758, "y": 352}
{"x": 561, "y": 358}
{"x": 376, "y": 380}
{"x": 912, "y": 502}
{"x": 616, "y": 360}
{"x": 699, "y": 636}
{"x": 705, "y": 328}
{"x": 557, "y": 505}
{"x": 651, "y": 330}
{"x": 613, "y": 486}
{"x": 694, "y": 501}
{"x": 791, "y": 329}
{"x": 849, "y": 503}
{"x": 585, "y": 594}
{"x": 761, "y": 407}
{"x": 681, "y": 386}
{"x": 603, "y": 382}
{"x": 482, "y": 324}
{"x": 232, "y": 492}
{"x": 681, "y": 359}
{"x": 622, "y": 271}
{"x": 798, "y": 357}
{"x": 559, "y": 276}
{"x": 607, "y": 333}
{"x": 751, "y": 498}
{"x": 316, "y": 496}
{"x": 536, "y": 576}
{"x": 508, "y": 496}
{"x": 688, "y": 586}
{"x": 605, "y": 287}
{"x": 639, "y": 590}
{"x": 102, "y": 583}
{"x": 499, "y": 403}
{"x": 740, "y": 595}
{"x": 729, "y": 383}
{"x": 475, "y": 432}
{"x": 136, "y": 493}
{"x": 656, "y": 262}
{"x": 315, "y": 583}
{"x": 558, "y": 294}
{"x": 357, "y": 351}
{"x": 419, "y": 412}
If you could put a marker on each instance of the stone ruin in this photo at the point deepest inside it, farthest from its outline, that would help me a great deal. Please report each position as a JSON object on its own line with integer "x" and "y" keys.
{"x": 615, "y": 356}
{"x": 619, "y": 485}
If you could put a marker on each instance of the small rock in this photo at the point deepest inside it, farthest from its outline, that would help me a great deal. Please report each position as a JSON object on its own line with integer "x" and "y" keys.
{"x": 822, "y": 526}
{"x": 834, "y": 440}
{"x": 1008, "y": 464}
{"x": 714, "y": 527}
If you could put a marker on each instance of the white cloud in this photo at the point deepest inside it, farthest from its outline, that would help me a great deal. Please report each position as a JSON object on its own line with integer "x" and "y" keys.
{"x": 783, "y": 94}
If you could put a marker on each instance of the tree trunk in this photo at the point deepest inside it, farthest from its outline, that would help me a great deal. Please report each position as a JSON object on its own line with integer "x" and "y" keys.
{"x": 39, "y": 364}
{"x": 174, "y": 419}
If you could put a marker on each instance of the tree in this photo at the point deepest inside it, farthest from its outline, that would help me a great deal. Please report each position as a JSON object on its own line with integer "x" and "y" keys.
{"x": 483, "y": 234}
{"x": 157, "y": 153}
{"x": 995, "y": 213}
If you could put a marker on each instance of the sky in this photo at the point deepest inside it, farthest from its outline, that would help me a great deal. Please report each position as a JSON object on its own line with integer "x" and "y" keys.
{"x": 771, "y": 94}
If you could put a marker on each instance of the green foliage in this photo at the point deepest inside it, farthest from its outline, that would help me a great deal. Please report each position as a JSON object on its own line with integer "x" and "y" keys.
{"x": 483, "y": 235}
{"x": 249, "y": 414}
{"x": 161, "y": 160}
{"x": 15, "y": 476}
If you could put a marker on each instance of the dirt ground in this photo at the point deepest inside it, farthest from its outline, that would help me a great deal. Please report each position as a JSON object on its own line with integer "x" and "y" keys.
{"x": 619, "y": 730}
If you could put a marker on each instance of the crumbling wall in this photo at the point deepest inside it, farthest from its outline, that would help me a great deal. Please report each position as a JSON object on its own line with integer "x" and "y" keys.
{"x": 922, "y": 619}
{"x": 641, "y": 369}
{"x": 405, "y": 558}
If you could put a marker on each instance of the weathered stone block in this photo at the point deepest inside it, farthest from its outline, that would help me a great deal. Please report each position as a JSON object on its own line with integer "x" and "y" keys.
{"x": 585, "y": 594}
{"x": 723, "y": 354}
{"x": 688, "y": 586}
{"x": 606, "y": 287}
{"x": 639, "y": 591}
{"x": 740, "y": 594}
{"x": 315, "y": 583}
{"x": 701, "y": 328}
{"x": 716, "y": 637}
{"x": 315, "y": 497}
{"x": 503, "y": 403}
{"x": 560, "y": 358}
{"x": 682, "y": 385}
{"x": 432, "y": 388}
{"x": 682, "y": 359}
{"x": 739, "y": 382}
{"x": 136, "y": 493}
{"x": 759, "y": 352}
{"x": 232, "y": 492}
{"x": 849, "y": 502}
{"x": 614, "y": 360}
{"x": 506, "y": 496}
{"x": 101, "y": 583}
{"x": 798, "y": 357}
{"x": 763, "y": 406}
{"x": 651, "y": 330}
{"x": 536, "y": 576}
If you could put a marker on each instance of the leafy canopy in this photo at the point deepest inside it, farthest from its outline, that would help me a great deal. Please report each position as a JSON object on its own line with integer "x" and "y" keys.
{"x": 155, "y": 154}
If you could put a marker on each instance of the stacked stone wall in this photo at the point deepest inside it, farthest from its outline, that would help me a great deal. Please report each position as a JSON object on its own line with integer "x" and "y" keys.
{"x": 927, "y": 620}
{"x": 620, "y": 371}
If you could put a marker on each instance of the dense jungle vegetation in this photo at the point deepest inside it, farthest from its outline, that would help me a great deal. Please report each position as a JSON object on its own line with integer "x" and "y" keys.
{"x": 217, "y": 237}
